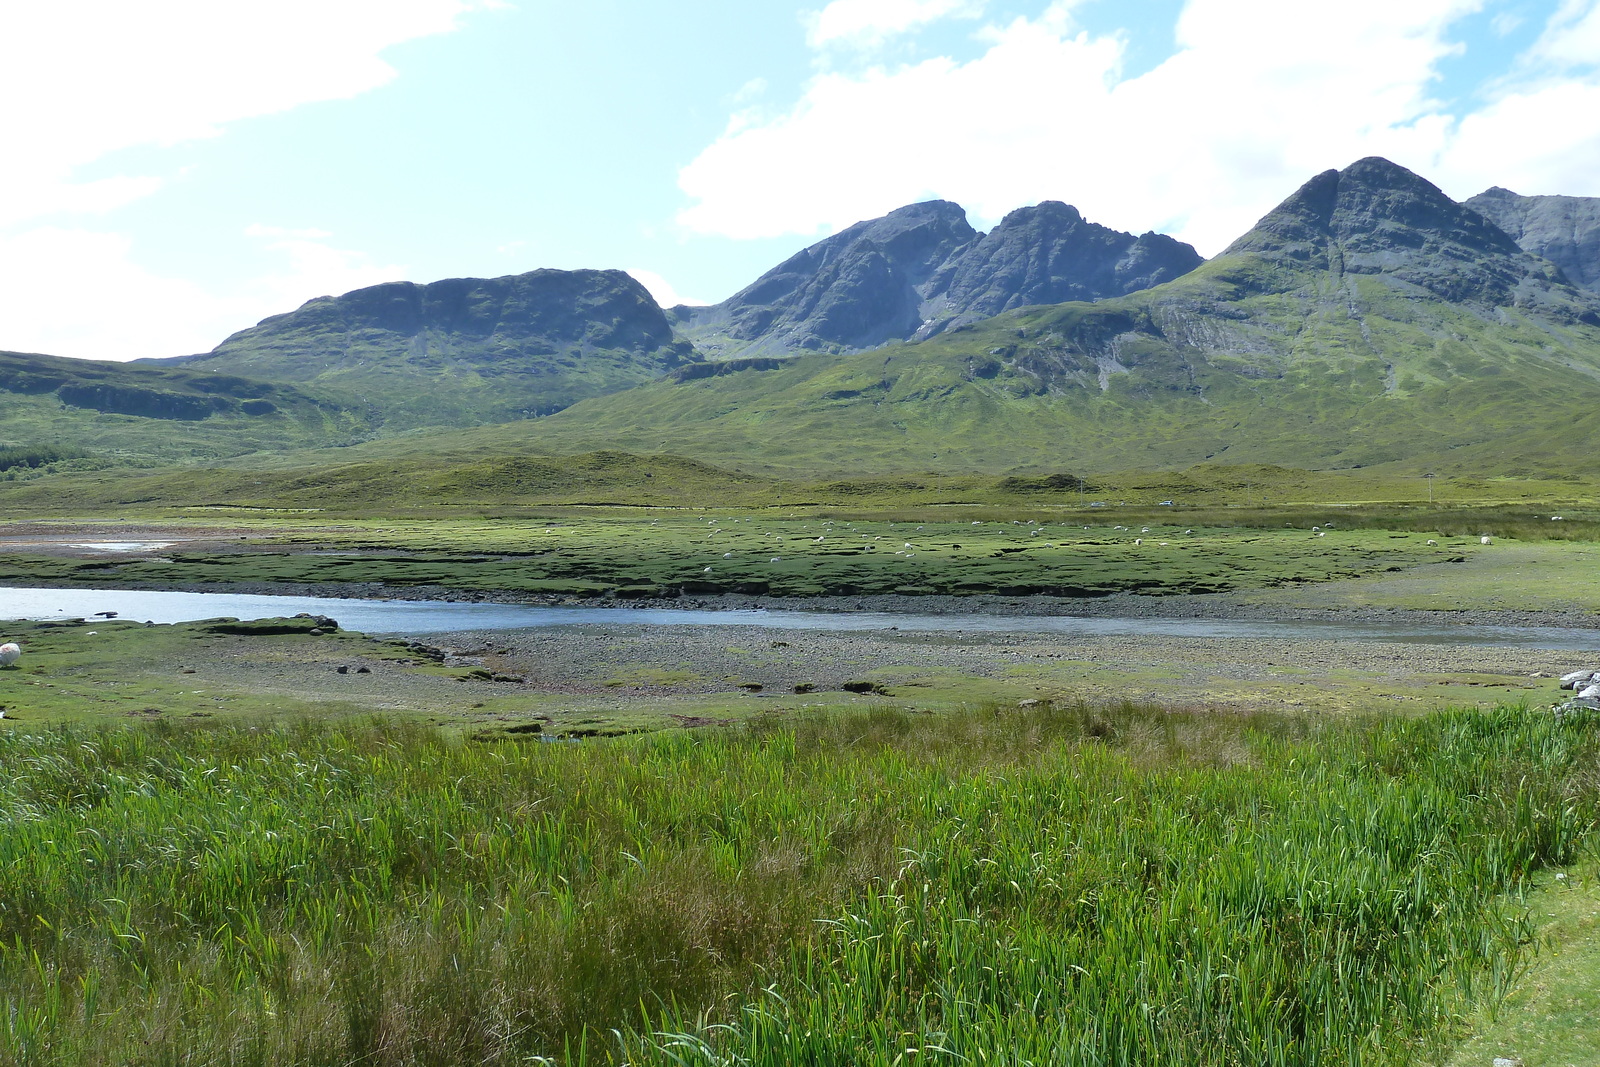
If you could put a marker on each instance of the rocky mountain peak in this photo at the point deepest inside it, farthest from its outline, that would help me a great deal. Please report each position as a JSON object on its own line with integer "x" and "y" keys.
{"x": 856, "y": 289}
{"x": 1377, "y": 217}
{"x": 922, "y": 269}
{"x": 1562, "y": 229}
{"x": 1049, "y": 254}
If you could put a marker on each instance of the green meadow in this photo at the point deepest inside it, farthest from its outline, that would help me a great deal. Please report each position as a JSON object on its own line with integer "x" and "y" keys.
{"x": 633, "y": 553}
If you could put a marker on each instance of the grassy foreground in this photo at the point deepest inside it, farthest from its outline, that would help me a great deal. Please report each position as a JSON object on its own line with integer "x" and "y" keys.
{"x": 1009, "y": 885}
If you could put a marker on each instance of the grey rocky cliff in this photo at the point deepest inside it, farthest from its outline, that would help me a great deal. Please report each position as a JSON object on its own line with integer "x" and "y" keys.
{"x": 1563, "y": 229}
{"x": 923, "y": 269}
{"x": 1049, "y": 254}
{"x": 1378, "y": 218}
{"x": 859, "y": 288}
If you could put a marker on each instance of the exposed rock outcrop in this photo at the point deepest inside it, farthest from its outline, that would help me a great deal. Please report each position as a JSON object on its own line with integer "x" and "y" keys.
{"x": 922, "y": 269}
{"x": 1376, "y": 217}
{"x": 1049, "y": 254}
{"x": 859, "y": 288}
{"x": 1563, "y": 229}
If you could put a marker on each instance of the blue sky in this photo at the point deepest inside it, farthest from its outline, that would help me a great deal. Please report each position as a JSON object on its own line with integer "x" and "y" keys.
{"x": 179, "y": 169}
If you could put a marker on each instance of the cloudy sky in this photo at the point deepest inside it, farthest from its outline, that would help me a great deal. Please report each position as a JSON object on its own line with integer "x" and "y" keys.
{"x": 174, "y": 170}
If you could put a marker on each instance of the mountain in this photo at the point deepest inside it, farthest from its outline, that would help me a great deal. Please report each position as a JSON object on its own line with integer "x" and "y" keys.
{"x": 54, "y": 406}
{"x": 923, "y": 269}
{"x": 1048, "y": 254}
{"x": 1368, "y": 320}
{"x": 465, "y": 350}
{"x": 1563, "y": 229}
{"x": 857, "y": 289}
{"x": 1377, "y": 218}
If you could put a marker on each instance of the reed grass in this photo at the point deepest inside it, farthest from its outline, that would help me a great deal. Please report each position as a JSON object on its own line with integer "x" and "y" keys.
{"x": 1049, "y": 885}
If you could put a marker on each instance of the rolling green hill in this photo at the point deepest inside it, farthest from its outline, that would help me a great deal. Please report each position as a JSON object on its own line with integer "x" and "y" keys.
{"x": 1367, "y": 321}
{"x": 54, "y": 409}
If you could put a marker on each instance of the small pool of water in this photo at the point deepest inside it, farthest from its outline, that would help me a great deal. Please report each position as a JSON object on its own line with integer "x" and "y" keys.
{"x": 428, "y": 616}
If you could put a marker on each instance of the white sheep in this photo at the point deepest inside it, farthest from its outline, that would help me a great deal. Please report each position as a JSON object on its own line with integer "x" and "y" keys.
{"x": 10, "y": 652}
{"x": 1485, "y": 539}
{"x": 1432, "y": 542}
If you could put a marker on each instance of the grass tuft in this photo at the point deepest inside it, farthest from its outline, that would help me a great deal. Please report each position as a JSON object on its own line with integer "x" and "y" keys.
{"x": 1051, "y": 884}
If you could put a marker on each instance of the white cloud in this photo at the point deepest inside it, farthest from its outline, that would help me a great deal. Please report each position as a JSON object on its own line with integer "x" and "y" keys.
{"x": 861, "y": 23}
{"x": 85, "y": 78}
{"x": 310, "y": 267}
{"x": 663, "y": 291}
{"x": 1506, "y": 23}
{"x": 1573, "y": 36}
{"x": 81, "y": 294}
{"x": 78, "y": 292}
{"x": 1259, "y": 96}
{"x": 82, "y": 79}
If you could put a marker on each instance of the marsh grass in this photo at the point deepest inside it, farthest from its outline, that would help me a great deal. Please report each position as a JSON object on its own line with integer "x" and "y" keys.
{"x": 1058, "y": 884}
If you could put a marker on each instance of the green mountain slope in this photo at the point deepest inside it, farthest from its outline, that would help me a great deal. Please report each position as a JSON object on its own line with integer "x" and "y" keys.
{"x": 53, "y": 406}
{"x": 464, "y": 351}
{"x": 1367, "y": 320}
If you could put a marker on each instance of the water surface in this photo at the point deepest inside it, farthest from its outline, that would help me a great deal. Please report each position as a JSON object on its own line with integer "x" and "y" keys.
{"x": 438, "y": 616}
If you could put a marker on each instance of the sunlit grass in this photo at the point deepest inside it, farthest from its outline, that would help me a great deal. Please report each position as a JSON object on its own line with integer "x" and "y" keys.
{"x": 1056, "y": 884}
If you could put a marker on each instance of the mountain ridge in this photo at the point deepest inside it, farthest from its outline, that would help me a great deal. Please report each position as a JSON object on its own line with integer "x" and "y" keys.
{"x": 922, "y": 269}
{"x": 1562, "y": 229}
{"x": 465, "y": 350}
{"x": 1366, "y": 319}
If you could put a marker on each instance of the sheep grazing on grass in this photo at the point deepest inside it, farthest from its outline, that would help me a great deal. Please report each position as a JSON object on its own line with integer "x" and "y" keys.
{"x": 1431, "y": 541}
{"x": 10, "y": 652}
{"x": 1485, "y": 539}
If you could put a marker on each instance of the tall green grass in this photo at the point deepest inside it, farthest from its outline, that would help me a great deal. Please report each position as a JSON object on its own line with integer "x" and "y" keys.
{"x": 1052, "y": 885}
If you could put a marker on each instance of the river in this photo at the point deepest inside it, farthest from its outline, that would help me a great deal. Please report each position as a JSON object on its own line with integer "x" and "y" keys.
{"x": 429, "y": 617}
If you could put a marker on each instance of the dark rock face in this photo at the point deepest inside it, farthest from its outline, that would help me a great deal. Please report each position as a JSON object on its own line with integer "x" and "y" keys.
{"x": 1563, "y": 229}
{"x": 1049, "y": 254}
{"x": 541, "y": 312}
{"x": 859, "y": 288}
{"x": 466, "y": 350}
{"x": 1376, "y": 217}
{"x": 922, "y": 269}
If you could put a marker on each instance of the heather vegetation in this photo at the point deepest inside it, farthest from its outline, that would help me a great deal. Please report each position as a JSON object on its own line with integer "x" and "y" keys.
{"x": 1055, "y": 884}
